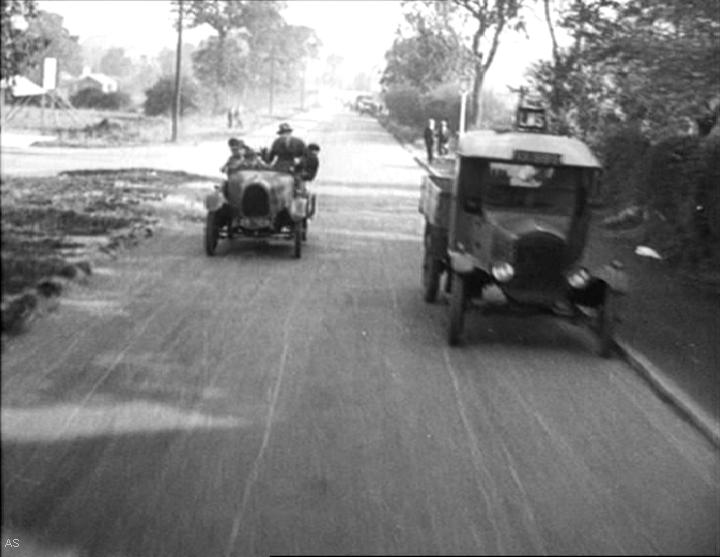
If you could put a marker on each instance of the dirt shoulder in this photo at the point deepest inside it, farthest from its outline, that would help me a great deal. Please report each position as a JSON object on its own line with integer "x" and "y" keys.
{"x": 55, "y": 228}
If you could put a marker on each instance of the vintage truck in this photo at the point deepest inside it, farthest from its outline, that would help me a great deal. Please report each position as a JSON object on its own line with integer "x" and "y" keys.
{"x": 513, "y": 213}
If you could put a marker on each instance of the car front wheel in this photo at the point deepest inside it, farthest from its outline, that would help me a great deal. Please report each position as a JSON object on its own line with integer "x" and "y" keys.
{"x": 297, "y": 239}
{"x": 211, "y": 233}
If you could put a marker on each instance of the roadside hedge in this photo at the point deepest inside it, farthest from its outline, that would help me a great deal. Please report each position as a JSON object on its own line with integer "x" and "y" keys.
{"x": 682, "y": 196}
{"x": 624, "y": 154}
{"x": 407, "y": 107}
{"x": 93, "y": 98}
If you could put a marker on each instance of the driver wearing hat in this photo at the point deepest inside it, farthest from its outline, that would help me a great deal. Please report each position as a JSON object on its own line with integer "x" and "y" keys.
{"x": 287, "y": 150}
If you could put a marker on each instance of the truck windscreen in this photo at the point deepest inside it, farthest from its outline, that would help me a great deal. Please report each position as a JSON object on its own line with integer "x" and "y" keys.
{"x": 522, "y": 187}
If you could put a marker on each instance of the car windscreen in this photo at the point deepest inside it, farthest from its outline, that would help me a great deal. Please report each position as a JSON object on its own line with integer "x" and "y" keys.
{"x": 521, "y": 187}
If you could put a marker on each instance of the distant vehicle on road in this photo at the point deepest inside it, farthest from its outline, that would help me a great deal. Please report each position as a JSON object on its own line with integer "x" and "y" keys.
{"x": 514, "y": 214}
{"x": 367, "y": 104}
{"x": 259, "y": 203}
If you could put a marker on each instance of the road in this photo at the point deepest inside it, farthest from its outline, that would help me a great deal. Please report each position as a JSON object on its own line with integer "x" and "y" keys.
{"x": 253, "y": 404}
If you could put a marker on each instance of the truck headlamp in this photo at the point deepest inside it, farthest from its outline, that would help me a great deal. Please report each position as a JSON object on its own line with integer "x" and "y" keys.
{"x": 503, "y": 271}
{"x": 578, "y": 278}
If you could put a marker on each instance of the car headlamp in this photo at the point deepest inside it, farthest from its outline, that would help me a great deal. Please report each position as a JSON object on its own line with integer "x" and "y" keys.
{"x": 503, "y": 271}
{"x": 578, "y": 278}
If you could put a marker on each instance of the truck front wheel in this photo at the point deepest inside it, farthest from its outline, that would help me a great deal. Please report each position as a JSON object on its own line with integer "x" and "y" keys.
{"x": 457, "y": 310}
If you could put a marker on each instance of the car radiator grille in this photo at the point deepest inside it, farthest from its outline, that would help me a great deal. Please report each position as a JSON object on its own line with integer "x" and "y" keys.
{"x": 255, "y": 201}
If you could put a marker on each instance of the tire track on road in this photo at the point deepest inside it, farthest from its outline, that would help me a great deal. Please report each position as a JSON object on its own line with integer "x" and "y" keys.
{"x": 269, "y": 420}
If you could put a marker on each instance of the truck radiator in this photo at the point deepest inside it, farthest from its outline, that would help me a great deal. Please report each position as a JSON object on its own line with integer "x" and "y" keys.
{"x": 540, "y": 260}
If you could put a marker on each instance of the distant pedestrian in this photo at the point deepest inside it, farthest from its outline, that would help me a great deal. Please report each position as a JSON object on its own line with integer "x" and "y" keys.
{"x": 236, "y": 117}
{"x": 429, "y": 136}
{"x": 230, "y": 118}
{"x": 443, "y": 137}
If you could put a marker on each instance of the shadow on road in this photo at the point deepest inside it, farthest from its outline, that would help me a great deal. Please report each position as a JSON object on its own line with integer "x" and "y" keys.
{"x": 156, "y": 493}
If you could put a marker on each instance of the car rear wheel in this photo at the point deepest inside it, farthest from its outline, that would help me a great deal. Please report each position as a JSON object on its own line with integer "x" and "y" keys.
{"x": 211, "y": 233}
{"x": 297, "y": 237}
{"x": 457, "y": 311}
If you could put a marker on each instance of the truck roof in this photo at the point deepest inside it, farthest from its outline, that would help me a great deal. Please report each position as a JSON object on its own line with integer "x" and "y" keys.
{"x": 527, "y": 147}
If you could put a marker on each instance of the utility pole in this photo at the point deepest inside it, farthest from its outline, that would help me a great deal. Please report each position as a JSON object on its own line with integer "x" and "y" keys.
{"x": 178, "y": 65}
{"x": 463, "y": 109}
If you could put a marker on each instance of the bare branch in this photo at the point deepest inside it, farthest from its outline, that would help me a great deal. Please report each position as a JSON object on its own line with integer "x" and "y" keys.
{"x": 501, "y": 13}
{"x": 551, "y": 28}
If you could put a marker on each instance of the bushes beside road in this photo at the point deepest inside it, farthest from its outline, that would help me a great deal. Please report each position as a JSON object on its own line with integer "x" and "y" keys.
{"x": 673, "y": 185}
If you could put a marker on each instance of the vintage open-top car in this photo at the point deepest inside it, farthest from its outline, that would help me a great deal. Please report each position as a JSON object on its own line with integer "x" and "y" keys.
{"x": 515, "y": 215}
{"x": 259, "y": 203}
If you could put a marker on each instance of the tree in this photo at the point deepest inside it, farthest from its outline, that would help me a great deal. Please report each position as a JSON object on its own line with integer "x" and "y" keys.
{"x": 144, "y": 74}
{"x": 648, "y": 64}
{"x": 489, "y": 19}
{"x": 114, "y": 62}
{"x": 235, "y": 23}
{"x": 213, "y": 57}
{"x": 423, "y": 61}
{"x": 332, "y": 76}
{"x": 166, "y": 60}
{"x": 20, "y": 45}
{"x": 160, "y": 97}
{"x": 477, "y": 26}
{"x": 59, "y": 43}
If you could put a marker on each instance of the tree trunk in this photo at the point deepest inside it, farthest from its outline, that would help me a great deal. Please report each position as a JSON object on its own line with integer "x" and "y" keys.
{"x": 476, "y": 115}
{"x": 219, "y": 89}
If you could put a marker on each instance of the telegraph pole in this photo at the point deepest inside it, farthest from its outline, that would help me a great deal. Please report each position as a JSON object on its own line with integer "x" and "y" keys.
{"x": 178, "y": 65}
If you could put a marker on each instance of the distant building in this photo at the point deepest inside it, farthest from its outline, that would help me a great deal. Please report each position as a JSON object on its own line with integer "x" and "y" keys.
{"x": 98, "y": 81}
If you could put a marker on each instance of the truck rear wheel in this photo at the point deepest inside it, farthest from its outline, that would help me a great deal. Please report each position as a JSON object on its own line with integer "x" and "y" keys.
{"x": 432, "y": 268}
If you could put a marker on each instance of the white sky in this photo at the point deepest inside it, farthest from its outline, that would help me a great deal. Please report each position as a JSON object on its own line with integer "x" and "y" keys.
{"x": 359, "y": 30}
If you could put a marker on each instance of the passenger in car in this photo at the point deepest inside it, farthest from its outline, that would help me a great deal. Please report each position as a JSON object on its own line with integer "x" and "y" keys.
{"x": 237, "y": 156}
{"x": 286, "y": 150}
{"x": 310, "y": 162}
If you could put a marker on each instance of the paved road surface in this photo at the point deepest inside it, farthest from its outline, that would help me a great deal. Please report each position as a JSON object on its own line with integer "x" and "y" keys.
{"x": 251, "y": 404}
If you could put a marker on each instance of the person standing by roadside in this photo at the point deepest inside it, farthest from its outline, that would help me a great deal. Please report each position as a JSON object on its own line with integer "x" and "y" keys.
{"x": 429, "y": 136}
{"x": 443, "y": 137}
{"x": 237, "y": 121}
